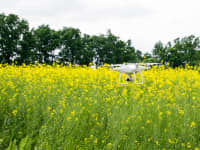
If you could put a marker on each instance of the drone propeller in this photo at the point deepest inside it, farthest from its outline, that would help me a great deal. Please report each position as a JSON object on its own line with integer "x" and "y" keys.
{"x": 150, "y": 64}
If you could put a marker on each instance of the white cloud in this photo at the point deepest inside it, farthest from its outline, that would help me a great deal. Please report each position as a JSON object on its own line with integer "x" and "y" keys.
{"x": 143, "y": 21}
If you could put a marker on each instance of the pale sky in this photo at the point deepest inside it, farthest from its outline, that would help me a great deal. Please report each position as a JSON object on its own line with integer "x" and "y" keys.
{"x": 145, "y": 22}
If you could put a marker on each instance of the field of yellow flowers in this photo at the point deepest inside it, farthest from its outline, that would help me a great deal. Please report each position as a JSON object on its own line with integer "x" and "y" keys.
{"x": 73, "y": 107}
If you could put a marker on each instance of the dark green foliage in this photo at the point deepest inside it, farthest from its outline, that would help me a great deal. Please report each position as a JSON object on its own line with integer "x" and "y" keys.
{"x": 12, "y": 32}
{"x": 139, "y": 55}
{"x": 87, "y": 53}
{"x": 45, "y": 45}
{"x": 110, "y": 49}
{"x": 47, "y": 40}
{"x": 180, "y": 52}
{"x": 26, "y": 50}
{"x": 69, "y": 45}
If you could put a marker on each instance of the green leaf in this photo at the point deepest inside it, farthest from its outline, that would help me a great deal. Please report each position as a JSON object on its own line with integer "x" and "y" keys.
{"x": 12, "y": 145}
{"x": 23, "y": 143}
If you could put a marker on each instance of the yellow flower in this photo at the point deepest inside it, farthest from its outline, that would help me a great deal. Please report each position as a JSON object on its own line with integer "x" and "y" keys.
{"x": 148, "y": 121}
{"x": 150, "y": 139}
{"x": 14, "y": 112}
{"x": 170, "y": 141}
{"x": 73, "y": 112}
{"x": 69, "y": 118}
{"x": 193, "y": 124}
{"x": 182, "y": 144}
{"x": 168, "y": 113}
{"x": 189, "y": 146}
{"x": 109, "y": 144}
{"x": 91, "y": 136}
{"x": 61, "y": 111}
{"x": 96, "y": 141}
{"x": 52, "y": 114}
{"x": 157, "y": 143}
{"x": 181, "y": 112}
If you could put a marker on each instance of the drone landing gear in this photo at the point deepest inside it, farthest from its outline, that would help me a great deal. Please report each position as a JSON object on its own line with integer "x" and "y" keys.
{"x": 120, "y": 75}
{"x": 129, "y": 78}
{"x": 140, "y": 76}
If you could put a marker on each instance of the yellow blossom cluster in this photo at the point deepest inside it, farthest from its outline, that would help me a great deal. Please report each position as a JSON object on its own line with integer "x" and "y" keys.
{"x": 76, "y": 107}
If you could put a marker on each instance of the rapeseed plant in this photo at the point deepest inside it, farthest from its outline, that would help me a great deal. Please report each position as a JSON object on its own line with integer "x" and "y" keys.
{"x": 75, "y": 107}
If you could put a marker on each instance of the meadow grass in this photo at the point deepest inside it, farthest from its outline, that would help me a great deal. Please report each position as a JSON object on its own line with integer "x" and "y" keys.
{"x": 59, "y": 107}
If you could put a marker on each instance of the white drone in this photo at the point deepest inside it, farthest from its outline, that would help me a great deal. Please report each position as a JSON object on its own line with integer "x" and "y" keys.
{"x": 131, "y": 68}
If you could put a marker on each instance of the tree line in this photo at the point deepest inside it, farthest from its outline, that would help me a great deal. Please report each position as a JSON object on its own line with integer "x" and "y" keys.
{"x": 180, "y": 51}
{"x": 21, "y": 44}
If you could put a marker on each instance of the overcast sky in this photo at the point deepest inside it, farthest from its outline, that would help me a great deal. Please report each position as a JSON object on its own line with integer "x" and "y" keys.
{"x": 143, "y": 21}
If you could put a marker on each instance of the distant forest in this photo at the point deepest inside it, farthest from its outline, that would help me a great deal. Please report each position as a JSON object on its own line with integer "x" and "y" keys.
{"x": 20, "y": 44}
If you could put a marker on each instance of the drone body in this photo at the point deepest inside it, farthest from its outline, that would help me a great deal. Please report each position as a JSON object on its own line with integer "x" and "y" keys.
{"x": 131, "y": 69}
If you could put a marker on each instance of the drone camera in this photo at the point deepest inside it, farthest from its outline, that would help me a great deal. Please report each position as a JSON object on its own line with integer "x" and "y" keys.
{"x": 129, "y": 79}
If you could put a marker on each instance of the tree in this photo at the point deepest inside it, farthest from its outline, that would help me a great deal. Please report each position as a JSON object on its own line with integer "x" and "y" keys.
{"x": 138, "y": 55}
{"x": 71, "y": 45}
{"x": 87, "y": 52}
{"x": 110, "y": 49}
{"x": 12, "y": 31}
{"x": 129, "y": 54}
{"x": 179, "y": 52}
{"x": 47, "y": 40}
{"x": 175, "y": 54}
{"x": 97, "y": 45}
{"x": 26, "y": 50}
{"x": 147, "y": 55}
{"x": 189, "y": 46}
{"x": 148, "y": 58}
{"x": 160, "y": 52}
{"x": 19, "y": 43}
